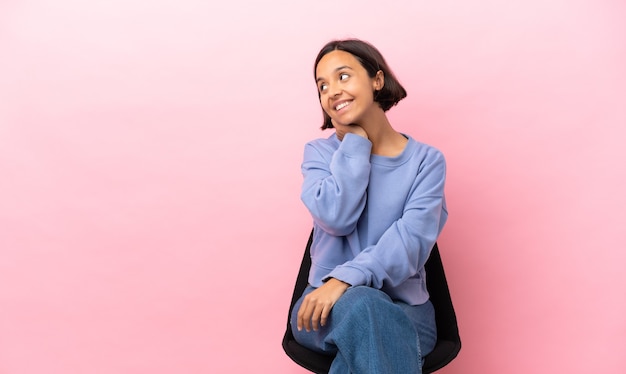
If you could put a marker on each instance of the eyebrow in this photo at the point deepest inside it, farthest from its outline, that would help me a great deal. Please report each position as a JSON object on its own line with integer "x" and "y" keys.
{"x": 336, "y": 70}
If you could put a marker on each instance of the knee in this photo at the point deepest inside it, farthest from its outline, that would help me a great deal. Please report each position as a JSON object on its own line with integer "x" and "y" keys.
{"x": 360, "y": 292}
{"x": 362, "y": 298}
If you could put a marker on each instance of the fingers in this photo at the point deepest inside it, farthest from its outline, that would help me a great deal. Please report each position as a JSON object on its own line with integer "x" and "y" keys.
{"x": 304, "y": 318}
{"x": 304, "y": 315}
{"x": 308, "y": 316}
{"x": 316, "y": 306}
{"x": 342, "y": 130}
{"x": 312, "y": 314}
{"x": 315, "y": 319}
{"x": 300, "y": 323}
{"x": 324, "y": 316}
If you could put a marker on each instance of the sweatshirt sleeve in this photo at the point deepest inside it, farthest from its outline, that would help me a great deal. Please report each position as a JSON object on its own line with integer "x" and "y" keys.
{"x": 405, "y": 246}
{"x": 335, "y": 183}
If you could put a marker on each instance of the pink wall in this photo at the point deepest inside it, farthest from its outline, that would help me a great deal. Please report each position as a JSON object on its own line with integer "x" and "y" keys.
{"x": 150, "y": 219}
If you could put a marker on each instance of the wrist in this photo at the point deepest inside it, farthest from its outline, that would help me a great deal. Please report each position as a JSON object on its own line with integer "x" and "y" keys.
{"x": 337, "y": 282}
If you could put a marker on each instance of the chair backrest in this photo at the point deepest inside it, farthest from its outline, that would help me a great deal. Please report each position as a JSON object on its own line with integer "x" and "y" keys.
{"x": 311, "y": 360}
{"x": 448, "y": 339}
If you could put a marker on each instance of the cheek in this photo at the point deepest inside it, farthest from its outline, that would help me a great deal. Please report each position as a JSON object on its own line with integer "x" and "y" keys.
{"x": 325, "y": 106}
{"x": 367, "y": 91}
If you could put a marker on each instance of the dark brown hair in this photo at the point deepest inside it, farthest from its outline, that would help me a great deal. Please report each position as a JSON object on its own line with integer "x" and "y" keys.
{"x": 372, "y": 60}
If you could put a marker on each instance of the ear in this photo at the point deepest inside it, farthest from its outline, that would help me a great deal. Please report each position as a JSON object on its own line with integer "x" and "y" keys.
{"x": 379, "y": 80}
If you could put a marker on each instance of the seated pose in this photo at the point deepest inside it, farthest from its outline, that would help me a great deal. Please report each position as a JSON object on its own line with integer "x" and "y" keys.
{"x": 377, "y": 201}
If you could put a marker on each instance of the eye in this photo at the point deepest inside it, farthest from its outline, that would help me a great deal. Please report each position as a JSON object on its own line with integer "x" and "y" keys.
{"x": 343, "y": 76}
{"x": 323, "y": 87}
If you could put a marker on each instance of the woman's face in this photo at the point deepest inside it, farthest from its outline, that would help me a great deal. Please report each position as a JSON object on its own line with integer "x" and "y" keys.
{"x": 346, "y": 90}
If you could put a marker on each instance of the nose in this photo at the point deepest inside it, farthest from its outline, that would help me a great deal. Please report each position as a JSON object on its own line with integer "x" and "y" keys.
{"x": 334, "y": 90}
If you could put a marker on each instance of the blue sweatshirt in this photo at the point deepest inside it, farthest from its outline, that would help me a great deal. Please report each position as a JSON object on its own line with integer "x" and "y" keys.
{"x": 376, "y": 218}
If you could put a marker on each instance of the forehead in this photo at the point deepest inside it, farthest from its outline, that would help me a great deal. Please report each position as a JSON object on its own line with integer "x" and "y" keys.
{"x": 334, "y": 60}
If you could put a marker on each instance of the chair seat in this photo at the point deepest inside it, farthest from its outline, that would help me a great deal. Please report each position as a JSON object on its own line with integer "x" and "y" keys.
{"x": 313, "y": 361}
{"x": 444, "y": 352}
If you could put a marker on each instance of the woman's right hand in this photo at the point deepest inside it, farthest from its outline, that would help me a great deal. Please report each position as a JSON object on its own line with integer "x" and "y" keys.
{"x": 342, "y": 130}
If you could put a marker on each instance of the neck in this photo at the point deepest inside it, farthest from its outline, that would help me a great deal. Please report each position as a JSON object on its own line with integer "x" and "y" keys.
{"x": 385, "y": 140}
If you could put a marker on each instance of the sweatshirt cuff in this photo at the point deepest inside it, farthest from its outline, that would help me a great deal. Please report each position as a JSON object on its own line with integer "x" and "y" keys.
{"x": 354, "y": 277}
{"x": 355, "y": 145}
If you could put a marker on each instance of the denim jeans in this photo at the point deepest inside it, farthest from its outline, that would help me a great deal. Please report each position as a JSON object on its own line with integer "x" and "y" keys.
{"x": 370, "y": 333}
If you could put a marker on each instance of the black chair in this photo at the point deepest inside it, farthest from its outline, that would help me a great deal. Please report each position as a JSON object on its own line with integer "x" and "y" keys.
{"x": 448, "y": 339}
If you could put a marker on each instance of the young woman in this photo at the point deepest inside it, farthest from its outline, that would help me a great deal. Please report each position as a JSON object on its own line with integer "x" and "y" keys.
{"x": 378, "y": 206}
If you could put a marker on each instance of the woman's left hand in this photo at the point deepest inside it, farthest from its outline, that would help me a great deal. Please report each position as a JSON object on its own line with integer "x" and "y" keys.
{"x": 316, "y": 306}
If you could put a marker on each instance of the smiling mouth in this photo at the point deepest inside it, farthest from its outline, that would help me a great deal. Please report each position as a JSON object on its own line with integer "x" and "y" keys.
{"x": 343, "y": 105}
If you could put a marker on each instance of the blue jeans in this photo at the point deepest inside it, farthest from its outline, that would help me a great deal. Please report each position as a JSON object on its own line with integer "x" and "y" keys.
{"x": 370, "y": 333}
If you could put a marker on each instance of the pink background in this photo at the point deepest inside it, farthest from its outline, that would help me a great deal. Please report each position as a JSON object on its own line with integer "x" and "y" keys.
{"x": 150, "y": 219}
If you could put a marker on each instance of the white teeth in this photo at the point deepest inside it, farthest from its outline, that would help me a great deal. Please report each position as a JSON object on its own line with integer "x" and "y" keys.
{"x": 342, "y": 105}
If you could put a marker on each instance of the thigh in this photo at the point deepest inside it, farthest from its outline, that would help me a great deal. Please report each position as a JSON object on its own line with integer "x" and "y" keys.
{"x": 423, "y": 319}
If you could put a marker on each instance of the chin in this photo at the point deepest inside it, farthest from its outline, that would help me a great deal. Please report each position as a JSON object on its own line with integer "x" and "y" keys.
{"x": 343, "y": 122}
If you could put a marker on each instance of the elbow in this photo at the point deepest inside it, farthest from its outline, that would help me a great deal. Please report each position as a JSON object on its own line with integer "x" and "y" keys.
{"x": 332, "y": 218}
{"x": 335, "y": 226}
{"x": 338, "y": 230}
